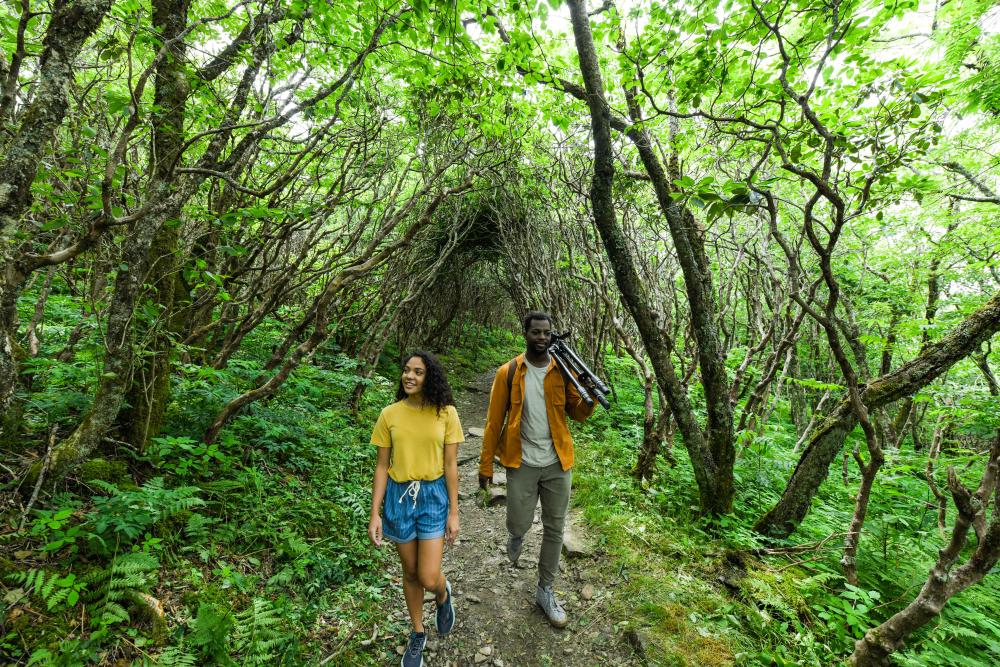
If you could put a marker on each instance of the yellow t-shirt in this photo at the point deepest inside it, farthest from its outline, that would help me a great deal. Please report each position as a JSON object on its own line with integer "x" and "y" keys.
{"x": 417, "y": 437}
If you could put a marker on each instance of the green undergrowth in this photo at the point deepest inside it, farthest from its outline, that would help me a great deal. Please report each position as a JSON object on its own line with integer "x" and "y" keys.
{"x": 714, "y": 593}
{"x": 253, "y": 550}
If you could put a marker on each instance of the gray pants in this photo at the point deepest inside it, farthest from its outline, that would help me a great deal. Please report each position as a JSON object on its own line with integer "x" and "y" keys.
{"x": 524, "y": 487}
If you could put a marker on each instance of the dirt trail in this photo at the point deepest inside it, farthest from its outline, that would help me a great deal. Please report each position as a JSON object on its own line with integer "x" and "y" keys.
{"x": 498, "y": 622}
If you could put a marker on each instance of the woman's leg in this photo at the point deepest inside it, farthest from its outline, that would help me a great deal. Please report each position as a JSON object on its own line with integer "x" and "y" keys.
{"x": 412, "y": 590}
{"x": 429, "y": 571}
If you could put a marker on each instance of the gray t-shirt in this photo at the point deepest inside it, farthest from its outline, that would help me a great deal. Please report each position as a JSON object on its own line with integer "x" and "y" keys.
{"x": 536, "y": 438}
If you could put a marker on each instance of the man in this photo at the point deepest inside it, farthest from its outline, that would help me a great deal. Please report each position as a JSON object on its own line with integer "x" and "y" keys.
{"x": 526, "y": 427}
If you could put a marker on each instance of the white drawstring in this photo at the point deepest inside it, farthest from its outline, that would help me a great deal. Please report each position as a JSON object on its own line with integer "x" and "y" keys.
{"x": 412, "y": 490}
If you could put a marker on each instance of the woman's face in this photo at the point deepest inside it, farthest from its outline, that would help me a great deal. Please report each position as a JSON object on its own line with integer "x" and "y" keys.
{"x": 414, "y": 373}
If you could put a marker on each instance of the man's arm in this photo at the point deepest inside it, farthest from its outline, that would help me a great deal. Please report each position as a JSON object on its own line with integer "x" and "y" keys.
{"x": 495, "y": 416}
{"x": 575, "y": 405}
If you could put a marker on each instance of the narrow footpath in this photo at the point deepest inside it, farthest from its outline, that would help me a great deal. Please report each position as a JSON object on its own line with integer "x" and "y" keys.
{"x": 498, "y": 622}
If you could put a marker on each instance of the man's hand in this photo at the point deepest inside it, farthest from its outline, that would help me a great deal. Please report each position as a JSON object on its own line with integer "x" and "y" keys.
{"x": 485, "y": 481}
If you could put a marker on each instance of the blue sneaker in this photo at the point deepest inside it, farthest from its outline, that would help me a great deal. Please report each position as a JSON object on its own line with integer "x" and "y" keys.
{"x": 414, "y": 655}
{"x": 445, "y": 613}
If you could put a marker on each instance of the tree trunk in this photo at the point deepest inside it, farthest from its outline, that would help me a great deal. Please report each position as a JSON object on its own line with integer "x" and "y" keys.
{"x": 117, "y": 370}
{"x": 932, "y": 455}
{"x": 150, "y": 389}
{"x": 656, "y": 431}
{"x": 646, "y": 461}
{"x": 70, "y": 25}
{"x": 826, "y": 442}
{"x": 34, "y": 339}
{"x": 797, "y": 395}
{"x": 983, "y": 364}
{"x": 711, "y": 457}
{"x": 868, "y": 473}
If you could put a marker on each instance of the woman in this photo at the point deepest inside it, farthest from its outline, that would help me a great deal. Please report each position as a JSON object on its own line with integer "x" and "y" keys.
{"x": 416, "y": 474}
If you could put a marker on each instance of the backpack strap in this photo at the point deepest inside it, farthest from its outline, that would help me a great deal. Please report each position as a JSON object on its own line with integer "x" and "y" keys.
{"x": 511, "y": 369}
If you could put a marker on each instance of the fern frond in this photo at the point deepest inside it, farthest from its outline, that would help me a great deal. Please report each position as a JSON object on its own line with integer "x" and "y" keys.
{"x": 259, "y": 634}
{"x": 60, "y": 595}
{"x": 176, "y": 656}
{"x": 111, "y": 612}
{"x": 45, "y": 590}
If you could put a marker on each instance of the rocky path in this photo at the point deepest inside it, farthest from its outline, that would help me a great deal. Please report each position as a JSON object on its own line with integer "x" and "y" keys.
{"x": 498, "y": 622}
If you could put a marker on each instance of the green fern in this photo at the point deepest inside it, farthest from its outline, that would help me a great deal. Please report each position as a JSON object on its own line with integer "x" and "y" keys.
{"x": 199, "y": 527}
{"x": 174, "y": 656}
{"x": 51, "y": 588}
{"x": 113, "y": 587}
{"x": 125, "y": 515}
{"x": 259, "y": 636}
{"x": 210, "y": 632}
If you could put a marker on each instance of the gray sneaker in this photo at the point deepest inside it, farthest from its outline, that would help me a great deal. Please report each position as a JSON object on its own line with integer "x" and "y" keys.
{"x": 514, "y": 545}
{"x": 546, "y": 599}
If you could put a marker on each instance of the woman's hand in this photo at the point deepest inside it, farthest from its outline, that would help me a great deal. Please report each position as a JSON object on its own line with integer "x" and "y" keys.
{"x": 375, "y": 530}
{"x": 451, "y": 528}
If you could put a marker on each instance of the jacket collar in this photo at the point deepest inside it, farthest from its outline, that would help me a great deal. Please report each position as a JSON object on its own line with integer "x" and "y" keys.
{"x": 521, "y": 361}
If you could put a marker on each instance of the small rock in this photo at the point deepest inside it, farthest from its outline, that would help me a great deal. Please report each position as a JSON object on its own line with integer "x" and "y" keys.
{"x": 473, "y": 598}
{"x": 481, "y": 658}
{"x": 476, "y": 432}
{"x": 497, "y": 497}
{"x": 587, "y": 593}
{"x": 486, "y": 650}
{"x": 400, "y": 649}
{"x": 568, "y": 651}
{"x": 640, "y": 641}
{"x": 371, "y": 640}
{"x": 500, "y": 478}
{"x": 574, "y": 547}
{"x": 497, "y": 662}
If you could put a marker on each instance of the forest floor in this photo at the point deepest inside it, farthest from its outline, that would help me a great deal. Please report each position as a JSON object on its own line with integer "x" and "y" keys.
{"x": 497, "y": 621}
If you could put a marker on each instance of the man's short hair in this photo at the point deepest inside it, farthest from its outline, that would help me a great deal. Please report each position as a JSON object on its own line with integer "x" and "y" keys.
{"x": 536, "y": 315}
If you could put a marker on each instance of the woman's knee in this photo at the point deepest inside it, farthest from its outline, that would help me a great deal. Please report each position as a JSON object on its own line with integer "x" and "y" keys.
{"x": 410, "y": 572}
{"x": 430, "y": 579}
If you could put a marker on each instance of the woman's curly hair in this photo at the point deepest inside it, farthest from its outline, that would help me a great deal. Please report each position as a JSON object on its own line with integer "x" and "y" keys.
{"x": 436, "y": 390}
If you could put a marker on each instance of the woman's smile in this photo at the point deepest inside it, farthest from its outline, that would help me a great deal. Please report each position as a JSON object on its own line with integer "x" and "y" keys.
{"x": 412, "y": 378}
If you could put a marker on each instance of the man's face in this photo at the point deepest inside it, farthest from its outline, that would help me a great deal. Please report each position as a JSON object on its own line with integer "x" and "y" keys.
{"x": 538, "y": 336}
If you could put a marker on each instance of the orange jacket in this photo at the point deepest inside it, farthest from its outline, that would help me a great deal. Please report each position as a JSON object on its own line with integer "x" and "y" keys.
{"x": 561, "y": 398}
